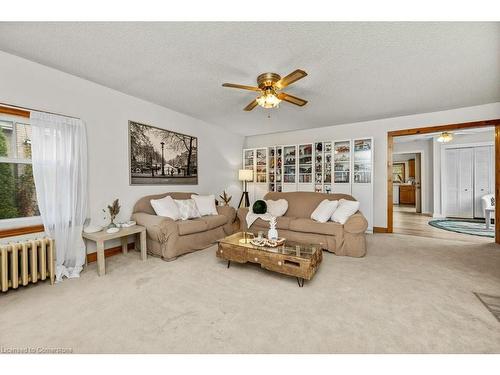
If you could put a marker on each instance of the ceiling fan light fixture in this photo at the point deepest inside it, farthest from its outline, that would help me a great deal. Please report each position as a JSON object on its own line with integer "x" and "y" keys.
{"x": 268, "y": 99}
{"x": 445, "y": 137}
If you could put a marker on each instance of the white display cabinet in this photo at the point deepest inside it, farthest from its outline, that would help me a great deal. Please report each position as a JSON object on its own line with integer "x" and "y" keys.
{"x": 305, "y": 167}
{"x": 256, "y": 160}
{"x": 362, "y": 180}
{"x": 290, "y": 168}
{"x": 323, "y": 167}
{"x": 342, "y": 156}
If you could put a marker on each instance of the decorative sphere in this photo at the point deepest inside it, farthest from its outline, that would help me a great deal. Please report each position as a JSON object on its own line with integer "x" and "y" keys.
{"x": 259, "y": 207}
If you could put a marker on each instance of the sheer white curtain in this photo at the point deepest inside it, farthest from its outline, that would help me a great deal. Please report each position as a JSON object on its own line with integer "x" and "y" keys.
{"x": 59, "y": 155}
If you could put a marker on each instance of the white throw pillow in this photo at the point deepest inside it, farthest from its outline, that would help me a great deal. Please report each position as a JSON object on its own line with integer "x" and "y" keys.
{"x": 205, "y": 204}
{"x": 277, "y": 208}
{"x": 324, "y": 211}
{"x": 345, "y": 210}
{"x": 166, "y": 207}
{"x": 187, "y": 208}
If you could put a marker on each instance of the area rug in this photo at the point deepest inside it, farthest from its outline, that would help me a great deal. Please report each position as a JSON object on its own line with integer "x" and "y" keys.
{"x": 492, "y": 303}
{"x": 473, "y": 227}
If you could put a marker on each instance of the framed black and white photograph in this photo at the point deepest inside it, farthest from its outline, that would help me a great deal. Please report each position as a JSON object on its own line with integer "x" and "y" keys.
{"x": 160, "y": 156}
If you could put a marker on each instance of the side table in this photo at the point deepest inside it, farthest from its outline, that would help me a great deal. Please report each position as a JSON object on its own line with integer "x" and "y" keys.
{"x": 100, "y": 237}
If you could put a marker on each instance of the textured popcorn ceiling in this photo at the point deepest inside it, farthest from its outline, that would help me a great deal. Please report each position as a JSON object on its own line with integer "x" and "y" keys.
{"x": 357, "y": 71}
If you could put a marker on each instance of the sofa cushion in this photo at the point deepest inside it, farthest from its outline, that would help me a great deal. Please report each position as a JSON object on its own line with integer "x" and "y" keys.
{"x": 311, "y": 226}
{"x": 345, "y": 210}
{"x": 324, "y": 211}
{"x": 192, "y": 226}
{"x": 166, "y": 207}
{"x": 215, "y": 221}
{"x": 187, "y": 209}
{"x": 205, "y": 204}
{"x": 277, "y": 208}
{"x": 282, "y": 222}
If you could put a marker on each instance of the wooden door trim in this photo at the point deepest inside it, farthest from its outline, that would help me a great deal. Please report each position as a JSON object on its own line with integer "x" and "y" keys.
{"x": 439, "y": 128}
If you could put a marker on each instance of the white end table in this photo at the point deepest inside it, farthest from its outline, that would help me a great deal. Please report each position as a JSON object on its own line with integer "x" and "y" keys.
{"x": 100, "y": 237}
{"x": 488, "y": 212}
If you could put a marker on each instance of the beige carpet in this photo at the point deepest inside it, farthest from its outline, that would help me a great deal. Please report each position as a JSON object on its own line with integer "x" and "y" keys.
{"x": 409, "y": 295}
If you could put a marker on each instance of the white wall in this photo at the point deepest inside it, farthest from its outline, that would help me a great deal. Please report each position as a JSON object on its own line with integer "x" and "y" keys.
{"x": 425, "y": 146}
{"x": 465, "y": 139}
{"x": 106, "y": 113}
{"x": 378, "y": 130}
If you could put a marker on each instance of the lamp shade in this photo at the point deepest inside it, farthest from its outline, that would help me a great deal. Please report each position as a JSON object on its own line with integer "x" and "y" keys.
{"x": 245, "y": 175}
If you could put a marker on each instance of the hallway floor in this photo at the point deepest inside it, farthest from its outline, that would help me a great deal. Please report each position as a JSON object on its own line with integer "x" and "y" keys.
{"x": 406, "y": 221}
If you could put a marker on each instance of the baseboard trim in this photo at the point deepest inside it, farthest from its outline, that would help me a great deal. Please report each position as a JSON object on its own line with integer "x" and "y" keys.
{"x": 92, "y": 257}
{"x": 380, "y": 230}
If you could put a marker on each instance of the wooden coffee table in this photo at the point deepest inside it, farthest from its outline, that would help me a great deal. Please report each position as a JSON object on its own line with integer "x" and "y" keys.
{"x": 292, "y": 258}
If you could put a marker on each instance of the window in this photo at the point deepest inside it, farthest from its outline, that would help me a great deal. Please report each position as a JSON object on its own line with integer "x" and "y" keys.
{"x": 17, "y": 187}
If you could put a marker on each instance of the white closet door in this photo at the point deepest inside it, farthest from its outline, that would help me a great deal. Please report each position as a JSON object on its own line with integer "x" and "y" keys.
{"x": 466, "y": 182}
{"x": 483, "y": 176}
{"x": 451, "y": 179}
{"x": 459, "y": 191}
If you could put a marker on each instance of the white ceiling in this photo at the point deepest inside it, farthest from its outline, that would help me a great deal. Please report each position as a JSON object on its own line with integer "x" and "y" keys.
{"x": 357, "y": 71}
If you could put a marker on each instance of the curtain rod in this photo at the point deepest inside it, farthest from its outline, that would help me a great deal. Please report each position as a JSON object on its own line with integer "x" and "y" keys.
{"x": 37, "y": 110}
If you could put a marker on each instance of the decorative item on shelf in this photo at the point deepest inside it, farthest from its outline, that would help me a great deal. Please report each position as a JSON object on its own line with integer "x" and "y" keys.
{"x": 112, "y": 230}
{"x": 126, "y": 224}
{"x": 92, "y": 228}
{"x": 113, "y": 210}
{"x": 272, "y": 234}
{"x": 245, "y": 175}
{"x": 225, "y": 198}
{"x": 259, "y": 207}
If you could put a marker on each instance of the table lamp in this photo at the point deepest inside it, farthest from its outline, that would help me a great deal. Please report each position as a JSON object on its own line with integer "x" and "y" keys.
{"x": 245, "y": 175}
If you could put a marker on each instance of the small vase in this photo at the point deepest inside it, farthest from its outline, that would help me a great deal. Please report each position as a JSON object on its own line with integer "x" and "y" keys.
{"x": 272, "y": 234}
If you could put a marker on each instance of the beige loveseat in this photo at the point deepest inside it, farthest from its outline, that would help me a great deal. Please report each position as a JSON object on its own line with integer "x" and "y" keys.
{"x": 297, "y": 225}
{"x": 168, "y": 239}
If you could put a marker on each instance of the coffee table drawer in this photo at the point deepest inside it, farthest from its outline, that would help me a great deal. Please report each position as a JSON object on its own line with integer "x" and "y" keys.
{"x": 232, "y": 253}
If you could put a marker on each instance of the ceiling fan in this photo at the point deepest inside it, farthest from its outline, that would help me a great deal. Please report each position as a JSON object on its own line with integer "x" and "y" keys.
{"x": 269, "y": 89}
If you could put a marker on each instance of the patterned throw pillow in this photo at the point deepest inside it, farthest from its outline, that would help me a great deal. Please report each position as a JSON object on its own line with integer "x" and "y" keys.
{"x": 187, "y": 209}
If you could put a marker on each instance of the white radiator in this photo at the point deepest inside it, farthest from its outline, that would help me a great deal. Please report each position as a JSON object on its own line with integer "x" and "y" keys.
{"x": 26, "y": 262}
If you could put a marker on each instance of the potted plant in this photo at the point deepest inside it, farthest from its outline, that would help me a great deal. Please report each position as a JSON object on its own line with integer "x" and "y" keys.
{"x": 114, "y": 210}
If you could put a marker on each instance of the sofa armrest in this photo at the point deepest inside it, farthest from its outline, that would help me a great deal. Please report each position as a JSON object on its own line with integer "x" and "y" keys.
{"x": 357, "y": 223}
{"x": 158, "y": 228}
{"x": 228, "y": 212}
{"x": 242, "y": 216}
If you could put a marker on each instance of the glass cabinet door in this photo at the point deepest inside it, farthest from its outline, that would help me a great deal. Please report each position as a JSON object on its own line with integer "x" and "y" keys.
{"x": 279, "y": 168}
{"x": 362, "y": 161}
{"x": 327, "y": 167}
{"x": 271, "y": 162}
{"x": 341, "y": 162}
{"x": 261, "y": 166}
{"x": 289, "y": 164}
{"x": 305, "y": 163}
{"x": 318, "y": 167}
{"x": 248, "y": 160}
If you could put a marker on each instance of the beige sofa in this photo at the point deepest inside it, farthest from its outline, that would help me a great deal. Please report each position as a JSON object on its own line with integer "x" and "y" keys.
{"x": 297, "y": 225}
{"x": 168, "y": 239}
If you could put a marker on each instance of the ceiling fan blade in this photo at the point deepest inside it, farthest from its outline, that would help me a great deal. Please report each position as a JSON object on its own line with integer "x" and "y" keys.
{"x": 292, "y": 99}
{"x": 291, "y": 78}
{"x": 243, "y": 87}
{"x": 251, "y": 106}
